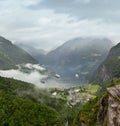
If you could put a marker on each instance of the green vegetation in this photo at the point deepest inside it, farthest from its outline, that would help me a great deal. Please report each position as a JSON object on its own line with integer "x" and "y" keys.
{"x": 113, "y": 62}
{"x": 88, "y": 114}
{"x": 92, "y": 88}
{"x": 20, "y": 112}
{"x": 28, "y": 92}
{"x": 76, "y": 99}
{"x": 89, "y": 88}
{"x": 23, "y": 105}
{"x": 92, "y": 114}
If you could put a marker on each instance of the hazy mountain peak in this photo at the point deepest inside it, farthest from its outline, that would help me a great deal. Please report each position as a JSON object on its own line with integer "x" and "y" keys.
{"x": 79, "y": 55}
{"x": 84, "y": 42}
{"x": 79, "y": 44}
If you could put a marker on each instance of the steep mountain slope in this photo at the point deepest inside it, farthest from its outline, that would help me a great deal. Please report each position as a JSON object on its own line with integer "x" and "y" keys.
{"x": 77, "y": 50}
{"x": 38, "y": 54}
{"x": 10, "y": 55}
{"x": 80, "y": 55}
{"x": 110, "y": 68}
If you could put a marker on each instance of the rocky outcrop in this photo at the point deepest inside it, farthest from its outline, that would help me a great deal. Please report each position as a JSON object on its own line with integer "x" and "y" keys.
{"x": 101, "y": 116}
{"x": 113, "y": 114}
{"x": 104, "y": 74}
{"x": 109, "y": 111}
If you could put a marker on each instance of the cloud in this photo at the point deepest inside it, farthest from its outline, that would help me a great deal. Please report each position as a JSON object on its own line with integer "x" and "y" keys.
{"x": 83, "y": 1}
{"x": 82, "y": 9}
{"x": 28, "y": 3}
{"x": 34, "y": 76}
{"x": 49, "y": 23}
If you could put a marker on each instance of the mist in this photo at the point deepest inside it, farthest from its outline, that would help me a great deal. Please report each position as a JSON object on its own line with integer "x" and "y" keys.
{"x": 33, "y": 75}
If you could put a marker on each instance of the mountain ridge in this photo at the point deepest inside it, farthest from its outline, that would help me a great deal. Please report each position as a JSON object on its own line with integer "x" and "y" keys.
{"x": 110, "y": 68}
{"x": 11, "y": 55}
{"x": 78, "y": 56}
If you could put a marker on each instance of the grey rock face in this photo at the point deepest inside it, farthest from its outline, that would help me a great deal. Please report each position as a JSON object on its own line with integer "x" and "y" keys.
{"x": 113, "y": 114}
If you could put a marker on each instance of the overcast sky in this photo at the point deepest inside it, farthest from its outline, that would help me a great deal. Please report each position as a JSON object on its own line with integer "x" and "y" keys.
{"x": 48, "y": 23}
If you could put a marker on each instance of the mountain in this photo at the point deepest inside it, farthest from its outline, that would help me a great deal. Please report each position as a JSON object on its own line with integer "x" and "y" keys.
{"x": 110, "y": 68}
{"x": 78, "y": 57}
{"x": 11, "y": 55}
{"x": 38, "y": 54}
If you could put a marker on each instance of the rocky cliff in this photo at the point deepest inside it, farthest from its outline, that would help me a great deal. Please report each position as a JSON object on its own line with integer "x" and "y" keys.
{"x": 109, "y": 112}
{"x": 113, "y": 113}
{"x": 110, "y": 68}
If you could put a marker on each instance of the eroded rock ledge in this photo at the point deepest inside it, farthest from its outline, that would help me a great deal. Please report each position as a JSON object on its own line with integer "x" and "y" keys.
{"x": 113, "y": 113}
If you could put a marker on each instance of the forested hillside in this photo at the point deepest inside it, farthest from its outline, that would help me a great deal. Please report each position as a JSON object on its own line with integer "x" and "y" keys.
{"x": 18, "y": 106}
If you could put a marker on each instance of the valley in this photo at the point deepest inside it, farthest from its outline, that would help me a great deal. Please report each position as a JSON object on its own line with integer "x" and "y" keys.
{"x": 75, "y": 60}
{"x": 71, "y": 88}
{"x": 64, "y": 101}
{"x": 74, "y": 95}
{"x": 59, "y": 63}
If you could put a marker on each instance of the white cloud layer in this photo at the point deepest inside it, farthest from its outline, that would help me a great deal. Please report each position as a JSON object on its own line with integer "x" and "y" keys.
{"x": 34, "y": 76}
{"x": 45, "y": 28}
